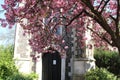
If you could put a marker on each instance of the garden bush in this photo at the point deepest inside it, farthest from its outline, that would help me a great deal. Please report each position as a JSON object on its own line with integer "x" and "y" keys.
{"x": 19, "y": 76}
{"x": 7, "y": 67}
{"x": 109, "y": 60}
{"x": 8, "y": 71}
{"x": 99, "y": 74}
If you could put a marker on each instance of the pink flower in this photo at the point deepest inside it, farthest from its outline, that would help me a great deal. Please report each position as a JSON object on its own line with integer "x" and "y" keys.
{"x": 66, "y": 47}
{"x": 63, "y": 41}
{"x": 4, "y": 7}
{"x": 85, "y": 38}
{"x": 4, "y": 25}
{"x": 89, "y": 46}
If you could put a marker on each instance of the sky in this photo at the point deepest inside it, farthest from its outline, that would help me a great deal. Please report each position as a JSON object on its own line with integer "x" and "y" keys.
{"x": 6, "y": 35}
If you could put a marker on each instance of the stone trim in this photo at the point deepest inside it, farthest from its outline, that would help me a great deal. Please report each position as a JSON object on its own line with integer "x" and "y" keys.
{"x": 22, "y": 59}
{"x": 84, "y": 59}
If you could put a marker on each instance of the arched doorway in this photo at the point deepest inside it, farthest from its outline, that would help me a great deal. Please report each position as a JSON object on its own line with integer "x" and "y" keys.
{"x": 51, "y": 66}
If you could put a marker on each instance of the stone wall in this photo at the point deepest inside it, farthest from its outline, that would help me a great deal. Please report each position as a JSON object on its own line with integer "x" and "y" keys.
{"x": 22, "y": 51}
{"x": 81, "y": 66}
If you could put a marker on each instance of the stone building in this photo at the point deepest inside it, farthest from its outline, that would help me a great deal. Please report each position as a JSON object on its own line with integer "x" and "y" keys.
{"x": 23, "y": 61}
{"x": 72, "y": 67}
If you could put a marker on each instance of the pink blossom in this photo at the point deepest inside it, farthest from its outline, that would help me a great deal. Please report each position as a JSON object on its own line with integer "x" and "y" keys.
{"x": 66, "y": 47}
{"x": 85, "y": 38}
{"x": 4, "y": 7}
{"x": 63, "y": 41}
{"x": 4, "y": 25}
{"x": 43, "y": 32}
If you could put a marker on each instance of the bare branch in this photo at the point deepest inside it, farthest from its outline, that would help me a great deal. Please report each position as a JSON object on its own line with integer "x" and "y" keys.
{"x": 102, "y": 37}
{"x": 117, "y": 19}
{"x": 98, "y": 17}
{"x": 101, "y": 21}
{"x": 112, "y": 17}
{"x": 77, "y": 16}
{"x": 88, "y": 4}
{"x": 100, "y": 4}
{"x": 104, "y": 6}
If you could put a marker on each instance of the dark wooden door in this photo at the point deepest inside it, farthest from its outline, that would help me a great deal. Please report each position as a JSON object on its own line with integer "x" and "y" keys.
{"x": 51, "y": 66}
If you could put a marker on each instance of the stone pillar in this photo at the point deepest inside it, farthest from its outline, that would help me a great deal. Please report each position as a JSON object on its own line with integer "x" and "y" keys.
{"x": 22, "y": 51}
{"x": 83, "y": 64}
{"x": 38, "y": 67}
{"x": 63, "y": 60}
{"x": 89, "y": 51}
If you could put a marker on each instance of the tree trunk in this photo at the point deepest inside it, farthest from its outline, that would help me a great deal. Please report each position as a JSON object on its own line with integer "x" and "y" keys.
{"x": 119, "y": 50}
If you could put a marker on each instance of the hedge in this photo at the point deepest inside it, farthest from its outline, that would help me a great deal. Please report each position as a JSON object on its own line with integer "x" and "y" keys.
{"x": 109, "y": 60}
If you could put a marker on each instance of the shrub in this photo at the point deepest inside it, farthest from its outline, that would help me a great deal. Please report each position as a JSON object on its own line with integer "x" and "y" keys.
{"x": 108, "y": 59}
{"x": 5, "y": 72}
{"x": 19, "y": 76}
{"x": 99, "y": 74}
{"x": 7, "y": 67}
{"x": 8, "y": 71}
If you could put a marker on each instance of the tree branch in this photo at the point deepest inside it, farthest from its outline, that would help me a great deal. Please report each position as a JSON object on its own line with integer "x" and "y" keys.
{"x": 117, "y": 18}
{"x": 77, "y": 16}
{"x": 102, "y": 37}
{"x": 104, "y": 6}
{"x": 112, "y": 17}
{"x": 99, "y": 19}
{"x": 88, "y": 4}
{"x": 100, "y": 5}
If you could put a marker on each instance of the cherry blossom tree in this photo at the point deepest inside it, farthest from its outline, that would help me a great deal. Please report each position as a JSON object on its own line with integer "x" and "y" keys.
{"x": 45, "y": 17}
